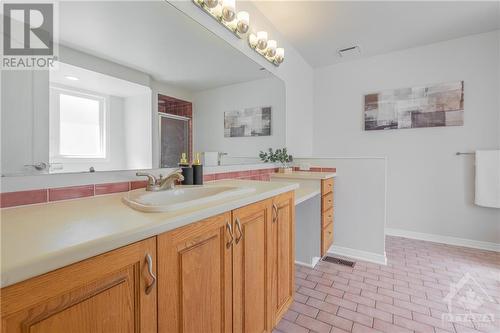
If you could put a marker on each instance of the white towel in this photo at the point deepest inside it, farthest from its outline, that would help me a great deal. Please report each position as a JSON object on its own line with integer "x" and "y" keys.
{"x": 488, "y": 178}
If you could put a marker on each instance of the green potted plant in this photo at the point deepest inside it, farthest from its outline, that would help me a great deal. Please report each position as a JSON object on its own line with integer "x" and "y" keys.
{"x": 280, "y": 156}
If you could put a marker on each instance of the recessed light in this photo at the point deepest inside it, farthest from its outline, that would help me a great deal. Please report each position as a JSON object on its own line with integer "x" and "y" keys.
{"x": 71, "y": 78}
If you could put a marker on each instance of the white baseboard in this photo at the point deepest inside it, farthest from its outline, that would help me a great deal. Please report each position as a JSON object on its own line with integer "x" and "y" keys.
{"x": 313, "y": 263}
{"x": 358, "y": 254}
{"x": 443, "y": 239}
{"x": 300, "y": 263}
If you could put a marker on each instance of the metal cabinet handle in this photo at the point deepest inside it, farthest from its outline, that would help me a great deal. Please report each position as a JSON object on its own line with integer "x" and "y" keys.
{"x": 38, "y": 166}
{"x": 238, "y": 225}
{"x": 151, "y": 274}
{"x": 230, "y": 230}
{"x": 275, "y": 213}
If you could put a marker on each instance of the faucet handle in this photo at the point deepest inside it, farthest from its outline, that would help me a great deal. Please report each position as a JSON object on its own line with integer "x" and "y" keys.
{"x": 151, "y": 178}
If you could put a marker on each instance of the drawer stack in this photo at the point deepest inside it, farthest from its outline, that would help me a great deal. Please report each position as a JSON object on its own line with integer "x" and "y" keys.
{"x": 327, "y": 213}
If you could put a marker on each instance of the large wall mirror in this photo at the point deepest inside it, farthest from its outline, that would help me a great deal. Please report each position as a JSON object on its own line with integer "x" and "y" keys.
{"x": 136, "y": 85}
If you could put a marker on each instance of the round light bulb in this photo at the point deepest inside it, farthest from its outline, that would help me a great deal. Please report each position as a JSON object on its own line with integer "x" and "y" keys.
{"x": 211, "y": 3}
{"x": 280, "y": 55}
{"x": 271, "y": 48}
{"x": 262, "y": 40}
{"x": 243, "y": 22}
{"x": 228, "y": 10}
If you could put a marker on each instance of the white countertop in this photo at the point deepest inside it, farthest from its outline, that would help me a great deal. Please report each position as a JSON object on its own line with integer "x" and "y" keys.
{"x": 40, "y": 238}
{"x": 309, "y": 182}
{"x": 305, "y": 193}
{"x": 305, "y": 175}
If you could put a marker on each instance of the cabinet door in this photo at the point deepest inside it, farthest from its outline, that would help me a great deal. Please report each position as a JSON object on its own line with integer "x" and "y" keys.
{"x": 107, "y": 293}
{"x": 283, "y": 258}
{"x": 251, "y": 268}
{"x": 194, "y": 278}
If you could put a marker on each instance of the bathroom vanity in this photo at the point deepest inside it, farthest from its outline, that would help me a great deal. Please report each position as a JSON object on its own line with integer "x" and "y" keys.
{"x": 314, "y": 213}
{"x": 227, "y": 266}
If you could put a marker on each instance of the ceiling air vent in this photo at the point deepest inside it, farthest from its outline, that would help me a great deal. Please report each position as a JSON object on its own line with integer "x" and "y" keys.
{"x": 349, "y": 51}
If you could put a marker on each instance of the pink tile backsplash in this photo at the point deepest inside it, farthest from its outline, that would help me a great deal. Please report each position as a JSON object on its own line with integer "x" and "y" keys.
{"x": 136, "y": 184}
{"x": 72, "y": 192}
{"x": 12, "y": 199}
{"x": 112, "y": 188}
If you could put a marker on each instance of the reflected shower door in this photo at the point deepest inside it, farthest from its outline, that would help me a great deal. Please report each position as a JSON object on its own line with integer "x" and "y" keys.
{"x": 174, "y": 139}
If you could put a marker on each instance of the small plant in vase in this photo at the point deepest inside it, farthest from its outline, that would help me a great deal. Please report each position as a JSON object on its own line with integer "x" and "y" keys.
{"x": 280, "y": 156}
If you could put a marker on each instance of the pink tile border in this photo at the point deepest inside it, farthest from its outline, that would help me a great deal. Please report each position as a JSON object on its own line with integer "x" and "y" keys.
{"x": 12, "y": 199}
{"x": 72, "y": 192}
{"x": 136, "y": 184}
{"x": 109, "y": 188}
{"x": 20, "y": 198}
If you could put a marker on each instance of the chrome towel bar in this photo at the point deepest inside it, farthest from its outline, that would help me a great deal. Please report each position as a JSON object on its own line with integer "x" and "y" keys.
{"x": 459, "y": 153}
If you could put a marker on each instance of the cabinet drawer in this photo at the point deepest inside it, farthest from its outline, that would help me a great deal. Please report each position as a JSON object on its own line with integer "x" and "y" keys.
{"x": 327, "y": 218}
{"x": 327, "y": 202}
{"x": 326, "y": 238}
{"x": 326, "y": 186}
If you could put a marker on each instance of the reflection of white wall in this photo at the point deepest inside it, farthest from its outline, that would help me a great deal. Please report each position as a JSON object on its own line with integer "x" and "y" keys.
{"x": 137, "y": 127}
{"x": 208, "y": 116}
{"x": 24, "y": 129}
{"x": 17, "y": 127}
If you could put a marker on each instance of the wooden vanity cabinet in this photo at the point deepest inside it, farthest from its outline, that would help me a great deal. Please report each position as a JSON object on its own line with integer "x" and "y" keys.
{"x": 195, "y": 277}
{"x": 112, "y": 292}
{"x": 283, "y": 257}
{"x": 228, "y": 273}
{"x": 327, "y": 214}
{"x": 252, "y": 258}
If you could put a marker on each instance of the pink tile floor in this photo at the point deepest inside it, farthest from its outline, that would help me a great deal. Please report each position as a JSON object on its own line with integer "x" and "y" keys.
{"x": 407, "y": 295}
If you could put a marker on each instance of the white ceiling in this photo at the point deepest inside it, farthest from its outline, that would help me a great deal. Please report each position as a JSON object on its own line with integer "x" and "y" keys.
{"x": 156, "y": 38}
{"x": 317, "y": 29}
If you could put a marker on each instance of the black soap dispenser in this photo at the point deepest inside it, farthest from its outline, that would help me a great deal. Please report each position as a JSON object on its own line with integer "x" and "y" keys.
{"x": 197, "y": 171}
{"x": 187, "y": 171}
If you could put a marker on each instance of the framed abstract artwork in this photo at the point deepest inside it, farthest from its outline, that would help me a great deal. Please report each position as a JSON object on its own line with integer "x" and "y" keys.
{"x": 425, "y": 106}
{"x": 248, "y": 122}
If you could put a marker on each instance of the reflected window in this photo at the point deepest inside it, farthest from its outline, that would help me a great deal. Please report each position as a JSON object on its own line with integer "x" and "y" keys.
{"x": 79, "y": 124}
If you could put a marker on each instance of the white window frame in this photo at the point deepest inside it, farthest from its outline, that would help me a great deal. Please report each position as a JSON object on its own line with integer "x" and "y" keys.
{"x": 56, "y": 156}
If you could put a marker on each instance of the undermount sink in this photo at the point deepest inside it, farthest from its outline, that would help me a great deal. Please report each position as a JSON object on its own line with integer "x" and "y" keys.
{"x": 181, "y": 197}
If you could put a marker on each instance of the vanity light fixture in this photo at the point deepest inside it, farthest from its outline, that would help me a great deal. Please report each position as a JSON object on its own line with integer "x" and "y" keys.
{"x": 271, "y": 48}
{"x": 243, "y": 19}
{"x": 71, "y": 78}
{"x": 224, "y": 11}
{"x": 228, "y": 10}
{"x": 267, "y": 48}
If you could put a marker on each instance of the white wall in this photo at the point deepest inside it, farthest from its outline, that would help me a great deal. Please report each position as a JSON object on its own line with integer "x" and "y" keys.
{"x": 360, "y": 206}
{"x": 208, "y": 116}
{"x": 137, "y": 128}
{"x": 295, "y": 72}
{"x": 430, "y": 190}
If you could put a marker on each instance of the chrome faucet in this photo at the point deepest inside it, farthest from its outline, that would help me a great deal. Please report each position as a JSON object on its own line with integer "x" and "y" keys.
{"x": 219, "y": 157}
{"x": 161, "y": 184}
